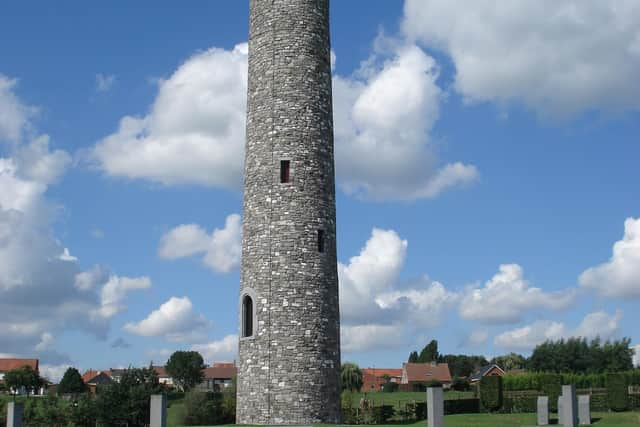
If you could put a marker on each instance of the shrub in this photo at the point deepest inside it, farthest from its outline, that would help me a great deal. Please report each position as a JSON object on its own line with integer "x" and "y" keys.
{"x": 421, "y": 410}
{"x": 491, "y": 393}
{"x": 434, "y": 383}
{"x": 617, "y": 392}
{"x": 461, "y": 406}
{"x": 389, "y": 387}
{"x": 382, "y": 414}
{"x": 459, "y": 384}
{"x": 550, "y": 385}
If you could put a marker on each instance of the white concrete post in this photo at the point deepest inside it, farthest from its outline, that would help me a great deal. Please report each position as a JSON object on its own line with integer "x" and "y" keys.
{"x": 158, "y": 416}
{"x": 570, "y": 407}
{"x": 543, "y": 410}
{"x": 584, "y": 410}
{"x": 14, "y": 414}
{"x": 435, "y": 407}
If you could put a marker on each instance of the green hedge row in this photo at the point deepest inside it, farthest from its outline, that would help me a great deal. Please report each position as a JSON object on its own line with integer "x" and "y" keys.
{"x": 491, "y": 393}
{"x": 532, "y": 380}
{"x": 617, "y": 386}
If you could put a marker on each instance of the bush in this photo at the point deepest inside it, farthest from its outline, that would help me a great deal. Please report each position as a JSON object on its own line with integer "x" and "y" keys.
{"x": 434, "y": 383}
{"x": 389, "y": 387}
{"x": 421, "y": 410}
{"x": 520, "y": 404}
{"x": 617, "y": 392}
{"x": 461, "y": 406}
{"x": 459, "y": 384}
{"x": 382, "y": 414}
{"x": 491, "y": 393}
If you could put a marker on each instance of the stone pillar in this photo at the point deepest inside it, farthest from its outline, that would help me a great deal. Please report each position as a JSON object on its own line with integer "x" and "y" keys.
{"x": 435, "y": 407}
{"x": 584, "y": 410}
{"x": 14, "y": 414}
{"x": 543, "y": 410}
{"x": 569, "y": 408}
{"x": 158, "y": 416}
{"x": 560, "y": 409}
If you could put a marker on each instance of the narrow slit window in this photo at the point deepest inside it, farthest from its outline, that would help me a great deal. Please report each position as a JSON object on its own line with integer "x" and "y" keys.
{"x": 247, "y": 316}
{"x": 320, "y": 241}
{"x": 285, "y": 171}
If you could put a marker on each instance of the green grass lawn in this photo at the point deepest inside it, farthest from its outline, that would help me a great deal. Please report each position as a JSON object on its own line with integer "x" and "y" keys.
{"x": 400, "y": 398}
{"x": 601, "y": 419}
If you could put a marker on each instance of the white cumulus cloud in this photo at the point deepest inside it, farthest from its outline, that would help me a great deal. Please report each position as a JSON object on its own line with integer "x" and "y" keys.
{"x": 557, "y": 58}
{"x": 620, "y": 276}
{"x": 222, "y": 248}
{"x": 370, "y": 337}
{"x": 636, "y": 356}
{"x": 597, "y": 324}
{"x": 384, "y": 114}
{"x": 225, "y": 349}
{"x": 508, "y": 296}
{"x": 175, "y": 320}
{"x": 115, "y": 290}
{"x": 194, "y": 133}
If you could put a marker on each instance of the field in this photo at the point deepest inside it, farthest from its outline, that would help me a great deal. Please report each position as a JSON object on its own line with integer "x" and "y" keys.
{"x": 602, "y": 419}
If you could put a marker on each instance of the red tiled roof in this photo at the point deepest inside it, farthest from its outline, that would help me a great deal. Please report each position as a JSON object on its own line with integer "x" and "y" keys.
{"x": 10, "y": 364}
{"x": 220, "y": 371}
{"x": 89, "y": 375}
{"x": 427, "y": 372}
{"x": 381, "y": 372}
{"x": 161, "y": 371}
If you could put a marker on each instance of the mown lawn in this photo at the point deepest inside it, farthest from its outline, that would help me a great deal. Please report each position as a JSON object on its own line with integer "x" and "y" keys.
{"x": 601, "y": 419}
{"x": 400, "y": 398}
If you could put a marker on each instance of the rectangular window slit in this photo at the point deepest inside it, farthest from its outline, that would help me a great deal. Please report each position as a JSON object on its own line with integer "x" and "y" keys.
{"x": 320, "y": 241}
{"x": 285, "y": 171}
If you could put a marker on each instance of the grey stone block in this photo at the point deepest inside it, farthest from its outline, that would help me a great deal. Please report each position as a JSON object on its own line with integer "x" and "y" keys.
{"x": 584, "y": 409}
{"x": 569, "y": 407}
{"x": 543, "y": 410}
{"x": 14, "y": 414}
{"x": 158, "y": 413}
{"x": 435, "y": 407}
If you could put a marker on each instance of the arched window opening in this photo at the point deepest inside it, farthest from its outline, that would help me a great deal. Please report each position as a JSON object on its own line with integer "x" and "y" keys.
{"x": 247, "y": 316}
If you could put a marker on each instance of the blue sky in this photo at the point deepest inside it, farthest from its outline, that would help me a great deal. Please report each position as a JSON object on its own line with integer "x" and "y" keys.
{"x": 487, "y": 161}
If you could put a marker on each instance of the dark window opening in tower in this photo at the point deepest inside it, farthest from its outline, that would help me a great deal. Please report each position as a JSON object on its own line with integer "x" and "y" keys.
{"x": 320, "y": 241}
{"x": 285, "y": 171}
{"x": 247, "y": 316}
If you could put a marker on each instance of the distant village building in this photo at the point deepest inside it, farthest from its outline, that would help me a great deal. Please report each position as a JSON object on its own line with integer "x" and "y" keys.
{"x": 416, "y": 376}
{"x": 218, "y": 377}
{"x": 93, "y": 379}
{"x": 163, "y": 377}
{"x": 7, "y": 365}
{"x": 490, "y": 370}
{"x": 374, "y": 378}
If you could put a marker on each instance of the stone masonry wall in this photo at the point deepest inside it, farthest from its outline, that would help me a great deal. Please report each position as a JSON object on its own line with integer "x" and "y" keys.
{"x": 289, "y": 369}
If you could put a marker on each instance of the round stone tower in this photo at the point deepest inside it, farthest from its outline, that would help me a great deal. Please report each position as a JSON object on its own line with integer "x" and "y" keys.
{"x": 289, "y": 371}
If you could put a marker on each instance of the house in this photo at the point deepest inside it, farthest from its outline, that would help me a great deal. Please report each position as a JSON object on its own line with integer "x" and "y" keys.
{"x": 218, "y": 376}
{"x": 374, "y": 378}
{"x": 486, "y": 371}
{"x": 93, "y": 379}
{"x": 7, "y": 365}
{"x": 415, "y": 376}
{"x": 163, "y": 377}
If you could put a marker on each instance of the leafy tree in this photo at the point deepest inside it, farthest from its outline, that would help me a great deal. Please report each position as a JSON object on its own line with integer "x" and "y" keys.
{"x": 576, "y": 355}
{"x": 429, "y": 353}
{"x": 23, "y": 378}
{"x": 351, "y": 376}
{"x": 71, "y": 383}
{"x": 510, "y": 361}
{"x": 127, "y": 403}
{"x": 461, "y": 365}
{"x": 186, "y": 368}
{"x": 413, "y": 357}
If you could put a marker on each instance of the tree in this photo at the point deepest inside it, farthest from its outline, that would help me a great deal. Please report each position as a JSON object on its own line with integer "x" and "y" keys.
{"x": 25, "y": 378}
{"x": 510, "y": 361}
{"x": 461, "y": 365}
{"x": 429, "y": 353}
{"x": 127, "y": 403}
{"x": 576, "y": 355}
{"x": 186, "y": 368}
{"x": 413, "y": 357}
{"x": 351, "y": 376}
{"x": 71, "y": 383}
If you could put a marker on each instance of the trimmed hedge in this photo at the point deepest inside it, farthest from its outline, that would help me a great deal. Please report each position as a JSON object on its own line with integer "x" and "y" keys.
{"x": 617, "y": 392}
{"x": 531, "y": 380}
{"x": 491, "y": 393}
{"x": 551, "y": 385}
{"x": 461, "y": 406}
